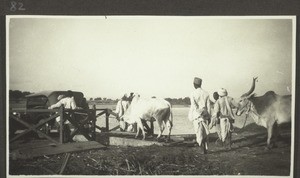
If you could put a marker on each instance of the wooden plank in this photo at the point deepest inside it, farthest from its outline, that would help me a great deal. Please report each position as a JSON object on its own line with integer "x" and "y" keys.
{"x": 30, "y": 144}
{"x": 33, "y": 110}
{"x": 93, "y": 115}
{"x": 61, "y": 123}
{"x": 118, "y": 141}
{"x": 101, "y": 113}
{"x": 118, "y": 133}
{"x": 46, "y": 110}
{"x": 112, "y": 113}
{"x": 55, "y": 149}
{"x": 115, "y": 128}
{"x": 132, "y": 134}
{"x": 107, "y": 120}
{"x": 186, "y": 135}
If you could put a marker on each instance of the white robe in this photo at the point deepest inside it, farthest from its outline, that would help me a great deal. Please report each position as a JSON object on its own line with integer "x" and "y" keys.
{"x": 199, "y": 101}
{"x": 121, "y": 107}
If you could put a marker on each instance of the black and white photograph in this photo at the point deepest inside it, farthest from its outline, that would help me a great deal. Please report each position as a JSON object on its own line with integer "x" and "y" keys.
{"x": 150, "y": 95}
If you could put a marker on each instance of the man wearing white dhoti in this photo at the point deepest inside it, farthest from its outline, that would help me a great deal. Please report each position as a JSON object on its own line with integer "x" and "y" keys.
{"x": 121, "y": 107}
{"x": 199, "y": 114}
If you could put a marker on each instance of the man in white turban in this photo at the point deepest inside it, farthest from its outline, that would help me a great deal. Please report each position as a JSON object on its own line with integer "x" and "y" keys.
{"x": 199, "y": 114}
{"x": 223, "y": 111}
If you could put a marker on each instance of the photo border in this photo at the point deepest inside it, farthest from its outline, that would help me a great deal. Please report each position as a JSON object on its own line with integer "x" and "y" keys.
{"x": 147, "y": 7}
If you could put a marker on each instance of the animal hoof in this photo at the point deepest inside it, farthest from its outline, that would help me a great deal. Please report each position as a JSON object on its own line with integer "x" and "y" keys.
{"x": 203, "y": 151}
{"x": 167, "y": 140}
{"x": 218, "y": 142}
{"x": 160, "y": 140}
{"x": 228, "y": 148}
{"x": 268, "y": 148}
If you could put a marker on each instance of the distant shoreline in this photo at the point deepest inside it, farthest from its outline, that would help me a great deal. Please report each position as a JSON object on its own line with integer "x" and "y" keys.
{"x": 103, "y": 105}
{"x": 21, "y": 104}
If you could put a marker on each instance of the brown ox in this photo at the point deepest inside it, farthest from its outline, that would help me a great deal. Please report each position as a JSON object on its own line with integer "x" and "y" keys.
{"x": 269, "y": 111}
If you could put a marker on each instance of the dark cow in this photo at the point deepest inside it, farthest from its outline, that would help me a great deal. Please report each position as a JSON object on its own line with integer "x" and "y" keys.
{"x": 269, "y": 111}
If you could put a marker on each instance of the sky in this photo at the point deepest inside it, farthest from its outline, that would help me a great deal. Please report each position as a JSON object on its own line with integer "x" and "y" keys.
{"x": 152, "y": 56}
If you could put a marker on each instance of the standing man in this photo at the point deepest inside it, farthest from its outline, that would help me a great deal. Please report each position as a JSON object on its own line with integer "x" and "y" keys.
{"x": 216, "y": 119}
{"x": 223, "y": 111}
{"x": 121, "y": 107}
{"x": 200, "y": 114}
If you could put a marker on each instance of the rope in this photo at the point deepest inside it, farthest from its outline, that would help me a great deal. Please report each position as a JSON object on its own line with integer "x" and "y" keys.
{"x": 247, "y": 114}
{"x": 250, "y": 109}
{"x": 245, "y": 121}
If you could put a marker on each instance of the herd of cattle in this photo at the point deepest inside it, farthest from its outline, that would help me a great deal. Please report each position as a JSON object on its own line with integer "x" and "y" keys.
{"x": 269, "y": 111}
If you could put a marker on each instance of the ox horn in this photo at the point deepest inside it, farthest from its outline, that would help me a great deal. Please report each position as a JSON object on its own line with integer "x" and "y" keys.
{"x": 251, "y": 89}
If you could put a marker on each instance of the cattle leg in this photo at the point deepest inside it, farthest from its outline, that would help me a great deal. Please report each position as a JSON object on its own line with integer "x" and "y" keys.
{"x": 161, "y": 129}
{"x": 137, "y": 133}
{"x": 140, "y": 126}
{"x": 147, "y": 128}
{"x": 270, "y": 131}
{"x": 275, "y": 134}
{"x": 169, "y": 126}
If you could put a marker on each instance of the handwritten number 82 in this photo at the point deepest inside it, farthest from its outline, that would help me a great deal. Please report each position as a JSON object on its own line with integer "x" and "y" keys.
{"x": 16, "y": 6}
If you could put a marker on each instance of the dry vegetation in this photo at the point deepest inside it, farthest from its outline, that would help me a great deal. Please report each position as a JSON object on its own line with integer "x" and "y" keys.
{"x": 248, "y": 157}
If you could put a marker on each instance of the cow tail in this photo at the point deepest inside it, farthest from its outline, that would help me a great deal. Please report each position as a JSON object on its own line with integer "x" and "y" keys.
{"x": 171, "y": 117}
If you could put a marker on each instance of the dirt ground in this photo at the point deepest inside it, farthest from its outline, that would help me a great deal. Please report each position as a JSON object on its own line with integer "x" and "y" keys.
{"x": 248, "y": 156}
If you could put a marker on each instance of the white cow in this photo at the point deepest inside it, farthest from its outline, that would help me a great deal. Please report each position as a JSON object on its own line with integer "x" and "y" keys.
{"x": 146, "y": 109}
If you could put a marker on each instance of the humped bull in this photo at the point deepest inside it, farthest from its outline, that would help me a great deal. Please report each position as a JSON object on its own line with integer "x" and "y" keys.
{"x": 269, "y": 111}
